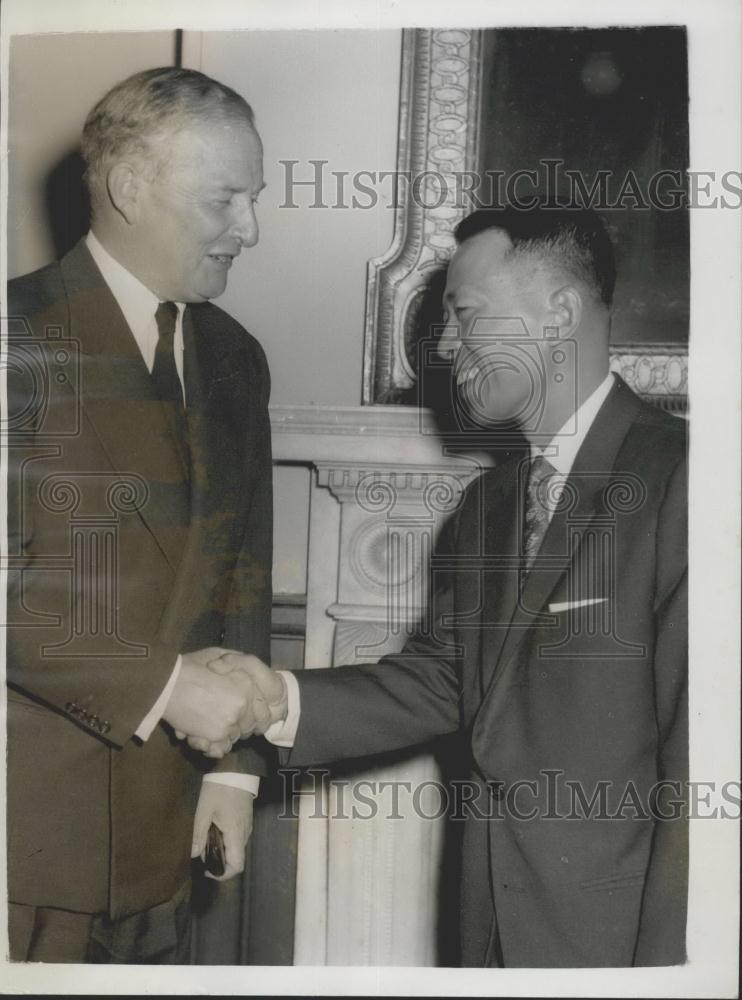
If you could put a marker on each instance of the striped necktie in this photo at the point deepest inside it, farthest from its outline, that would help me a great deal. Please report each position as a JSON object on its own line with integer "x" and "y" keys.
{"x": 539, "y": 504}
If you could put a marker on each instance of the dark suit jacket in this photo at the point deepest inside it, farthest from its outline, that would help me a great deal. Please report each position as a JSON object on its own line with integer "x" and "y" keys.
{"x": 596, "y": 696}
{"x": 116, "y": 569}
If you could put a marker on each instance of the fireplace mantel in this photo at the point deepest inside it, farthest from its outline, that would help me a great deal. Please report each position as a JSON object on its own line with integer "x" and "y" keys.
{"x": 381, "y": 485}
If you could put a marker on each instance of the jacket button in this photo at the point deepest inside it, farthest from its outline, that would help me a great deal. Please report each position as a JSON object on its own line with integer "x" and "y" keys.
{"x": 222, "y": 637}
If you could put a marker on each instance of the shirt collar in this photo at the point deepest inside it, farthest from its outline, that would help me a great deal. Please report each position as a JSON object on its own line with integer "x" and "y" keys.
{"x": 136, "y": 301}
{"x": 563, "y": 447}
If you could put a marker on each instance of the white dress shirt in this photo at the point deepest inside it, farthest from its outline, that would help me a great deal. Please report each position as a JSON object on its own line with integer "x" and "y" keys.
{"x": 563, "y": 447}
{"x": 560, "y": 452}
{"x": 139, "y": 305}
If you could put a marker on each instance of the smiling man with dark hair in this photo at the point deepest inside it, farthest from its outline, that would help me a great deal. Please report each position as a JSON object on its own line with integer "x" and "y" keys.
{"x": 558, "y": 648}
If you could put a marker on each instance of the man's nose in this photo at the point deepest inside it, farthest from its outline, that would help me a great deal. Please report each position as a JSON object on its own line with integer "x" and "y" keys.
{"x": 450, "y": 341}
{"x": 245, "y": 226}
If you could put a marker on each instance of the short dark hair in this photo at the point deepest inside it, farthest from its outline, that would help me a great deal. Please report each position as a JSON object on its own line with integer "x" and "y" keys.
{"x": 574, "y": 238}
{"x": 139, "y": 109}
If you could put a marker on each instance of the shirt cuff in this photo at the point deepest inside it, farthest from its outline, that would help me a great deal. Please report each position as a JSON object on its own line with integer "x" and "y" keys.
{"x": 247, "y": 782}
{"x": 283, "y": 734}
{"x": 148, "y": 723}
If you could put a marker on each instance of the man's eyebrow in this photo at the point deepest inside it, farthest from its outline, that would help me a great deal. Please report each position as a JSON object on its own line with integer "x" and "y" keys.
{"x": 239, "y": 190}
{"x": 456, "y": 293}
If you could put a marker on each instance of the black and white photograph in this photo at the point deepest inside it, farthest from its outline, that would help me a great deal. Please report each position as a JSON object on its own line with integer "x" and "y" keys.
{"x": 370, "y": 487}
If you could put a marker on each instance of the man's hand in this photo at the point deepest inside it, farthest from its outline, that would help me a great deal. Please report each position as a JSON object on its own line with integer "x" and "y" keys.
{"x": 270, "y": 702}
{"x": 269, "y": 698}
{"x": 207, "y": 705}
{"x": 230, "y": 809}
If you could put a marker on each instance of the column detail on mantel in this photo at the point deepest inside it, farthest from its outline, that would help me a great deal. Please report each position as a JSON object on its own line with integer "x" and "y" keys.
{"x": 383, "y": 872}
{"x": 367, "y": 884}
{"x": 387, "y": 530}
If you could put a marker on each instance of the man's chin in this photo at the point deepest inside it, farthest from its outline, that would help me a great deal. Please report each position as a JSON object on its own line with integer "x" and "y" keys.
{"x": 488, "y": 409}
{"x": 212, "y": 291}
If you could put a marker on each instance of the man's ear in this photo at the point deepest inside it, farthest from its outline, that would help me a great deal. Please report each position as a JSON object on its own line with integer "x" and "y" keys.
{"x": 565, "y": 310}
{"x": 123, "y": 185}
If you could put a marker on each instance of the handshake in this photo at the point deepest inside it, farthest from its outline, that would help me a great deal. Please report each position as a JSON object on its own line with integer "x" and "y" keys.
{"x": 221, "y": 696}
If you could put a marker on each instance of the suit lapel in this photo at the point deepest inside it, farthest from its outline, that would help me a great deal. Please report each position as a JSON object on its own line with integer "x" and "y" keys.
{"x": 582, "y": 502}
{"x": 217, "y": 410}
{"x": 120, "y": 402}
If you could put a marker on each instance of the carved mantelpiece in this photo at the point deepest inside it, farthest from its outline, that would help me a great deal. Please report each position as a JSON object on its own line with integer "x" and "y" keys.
{"x": 367, "y": 887}
{"x": 388, "y": 522}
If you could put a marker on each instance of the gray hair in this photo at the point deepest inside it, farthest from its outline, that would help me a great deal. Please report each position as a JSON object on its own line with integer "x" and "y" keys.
{"x": 135, "y": 113}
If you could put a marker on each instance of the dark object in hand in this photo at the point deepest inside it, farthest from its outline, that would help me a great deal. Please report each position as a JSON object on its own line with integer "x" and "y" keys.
{"x": 215, "y": 861}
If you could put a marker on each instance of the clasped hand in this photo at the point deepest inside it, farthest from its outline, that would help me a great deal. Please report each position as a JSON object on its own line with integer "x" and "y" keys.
{"x": 222, "y": 696}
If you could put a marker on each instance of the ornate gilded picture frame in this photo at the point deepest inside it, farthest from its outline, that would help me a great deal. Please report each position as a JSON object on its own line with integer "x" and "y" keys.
{"x": 440, "y": 134}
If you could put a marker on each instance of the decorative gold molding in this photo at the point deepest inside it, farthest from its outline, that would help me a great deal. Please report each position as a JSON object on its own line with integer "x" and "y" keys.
{"x": 439, "y": 124}
{"x": 438, "y": 133}
{"x": 656, "y": 372}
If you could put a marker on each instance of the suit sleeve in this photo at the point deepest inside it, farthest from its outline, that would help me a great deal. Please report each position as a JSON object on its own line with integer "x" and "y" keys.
{"x": 248, "y": 613}
{"x": 661, "y": 939}
{"x": 107, "y": 697}
{"x": 402, "y": 701}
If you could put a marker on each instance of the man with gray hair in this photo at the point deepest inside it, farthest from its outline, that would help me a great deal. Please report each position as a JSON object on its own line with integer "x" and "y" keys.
{"x": 140, "y": 520}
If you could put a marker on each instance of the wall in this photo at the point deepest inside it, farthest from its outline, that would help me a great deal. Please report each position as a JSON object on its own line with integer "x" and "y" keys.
{"x": 54, "y": 80}
{"x": 325, "y": 95}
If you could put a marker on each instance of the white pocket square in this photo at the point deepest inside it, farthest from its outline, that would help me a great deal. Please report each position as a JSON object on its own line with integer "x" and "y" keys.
{"x": 571, "y": 605}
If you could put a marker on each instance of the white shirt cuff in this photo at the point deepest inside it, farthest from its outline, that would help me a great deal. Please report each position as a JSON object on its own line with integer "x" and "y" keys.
{"x": 148, "y": 723}
{"x": 283, "y": 734}
{"x": 247, "y": 782}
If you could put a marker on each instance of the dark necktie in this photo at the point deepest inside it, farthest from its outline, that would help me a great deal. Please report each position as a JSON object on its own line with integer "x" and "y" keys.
{"x": 538, "y": 505}
{"x": 165, "y": 375}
